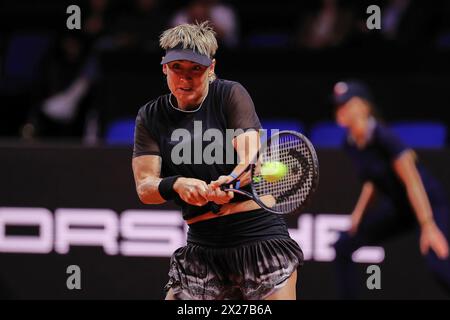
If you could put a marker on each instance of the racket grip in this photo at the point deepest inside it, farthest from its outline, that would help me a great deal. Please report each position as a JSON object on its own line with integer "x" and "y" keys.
{"x": 237, "y": 186}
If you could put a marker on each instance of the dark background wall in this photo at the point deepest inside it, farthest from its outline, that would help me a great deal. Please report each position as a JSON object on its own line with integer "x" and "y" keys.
{"x": 55, "y": 177}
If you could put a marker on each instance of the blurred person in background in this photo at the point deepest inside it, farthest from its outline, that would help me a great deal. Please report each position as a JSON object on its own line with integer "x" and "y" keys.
{"x": 411, "y": 23}
{"x": 324, "y": 24}
{"x": 65, "y": 91}
{"x": 406, "y": 195}
{"x": 404, "y": 23}
{"x": 98, "y": 19}
{"x": 222, "y": 17}
{"x": 64, "y": 105}
{"x": 138, "y": 27}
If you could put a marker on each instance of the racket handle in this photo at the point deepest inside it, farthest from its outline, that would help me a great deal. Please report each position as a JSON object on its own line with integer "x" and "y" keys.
{"x": 214, "y": 206}
{"x": 237, "y": 186}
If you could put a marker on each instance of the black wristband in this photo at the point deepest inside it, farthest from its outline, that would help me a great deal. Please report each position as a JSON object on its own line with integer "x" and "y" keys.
{"x": 165, "y": 187}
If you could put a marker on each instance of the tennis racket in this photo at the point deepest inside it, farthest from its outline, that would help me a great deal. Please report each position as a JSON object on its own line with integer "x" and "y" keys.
{"x": 300, "y": 178}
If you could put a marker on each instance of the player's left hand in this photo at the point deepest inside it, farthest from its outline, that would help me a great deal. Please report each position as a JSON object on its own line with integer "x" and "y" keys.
{"x": 432, "y": 237}
{"x": 218, "y": 196}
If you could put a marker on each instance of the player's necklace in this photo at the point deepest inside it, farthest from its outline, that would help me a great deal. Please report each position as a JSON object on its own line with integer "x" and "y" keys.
{"x": 188, "y": 111}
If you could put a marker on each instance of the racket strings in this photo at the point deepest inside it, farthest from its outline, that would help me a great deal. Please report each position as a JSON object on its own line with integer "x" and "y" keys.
{"x": 291, "y": 191}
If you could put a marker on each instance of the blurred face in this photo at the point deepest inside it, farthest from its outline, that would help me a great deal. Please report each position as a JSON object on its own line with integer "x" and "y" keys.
{"x": 351, "y": 113}
{"x": 188, "y": 81}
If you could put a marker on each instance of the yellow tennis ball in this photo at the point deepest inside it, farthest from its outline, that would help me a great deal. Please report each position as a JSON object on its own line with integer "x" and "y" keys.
{"x": 273, "y": 171}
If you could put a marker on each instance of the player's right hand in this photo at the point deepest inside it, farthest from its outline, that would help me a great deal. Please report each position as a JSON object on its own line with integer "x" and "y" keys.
{"x": 218, "y": 196}
{"x": 192, "y": 191}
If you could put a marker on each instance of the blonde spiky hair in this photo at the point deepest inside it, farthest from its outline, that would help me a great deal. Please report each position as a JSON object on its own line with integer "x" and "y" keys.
{"x": 199, "y": 37}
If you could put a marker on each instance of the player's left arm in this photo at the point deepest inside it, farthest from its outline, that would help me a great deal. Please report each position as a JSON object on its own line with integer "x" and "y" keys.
{"x": 246, "y": 145}
{"x": 405, "y": 167}
{"x": 240, "y": 113}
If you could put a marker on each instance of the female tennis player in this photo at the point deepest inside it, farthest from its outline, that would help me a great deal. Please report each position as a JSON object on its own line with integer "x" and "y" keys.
{"x": 407, "y": 194}
{"x": 243, "y": 251}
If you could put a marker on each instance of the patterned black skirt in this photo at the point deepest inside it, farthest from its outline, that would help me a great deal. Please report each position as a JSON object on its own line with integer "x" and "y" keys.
{"x": 250, "y": 271}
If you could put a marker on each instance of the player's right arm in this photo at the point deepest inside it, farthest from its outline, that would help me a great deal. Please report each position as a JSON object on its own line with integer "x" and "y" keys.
{"x": 147, "y": 170}
{"x": 147, "y": 164}
{"x": 367, "y": 193}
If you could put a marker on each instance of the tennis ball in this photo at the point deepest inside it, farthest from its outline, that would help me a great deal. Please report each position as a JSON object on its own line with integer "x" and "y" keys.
{"x": 273, "y": 171}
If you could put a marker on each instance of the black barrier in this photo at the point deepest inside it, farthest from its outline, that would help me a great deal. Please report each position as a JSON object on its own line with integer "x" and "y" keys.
{"x": 72, "y": 227}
